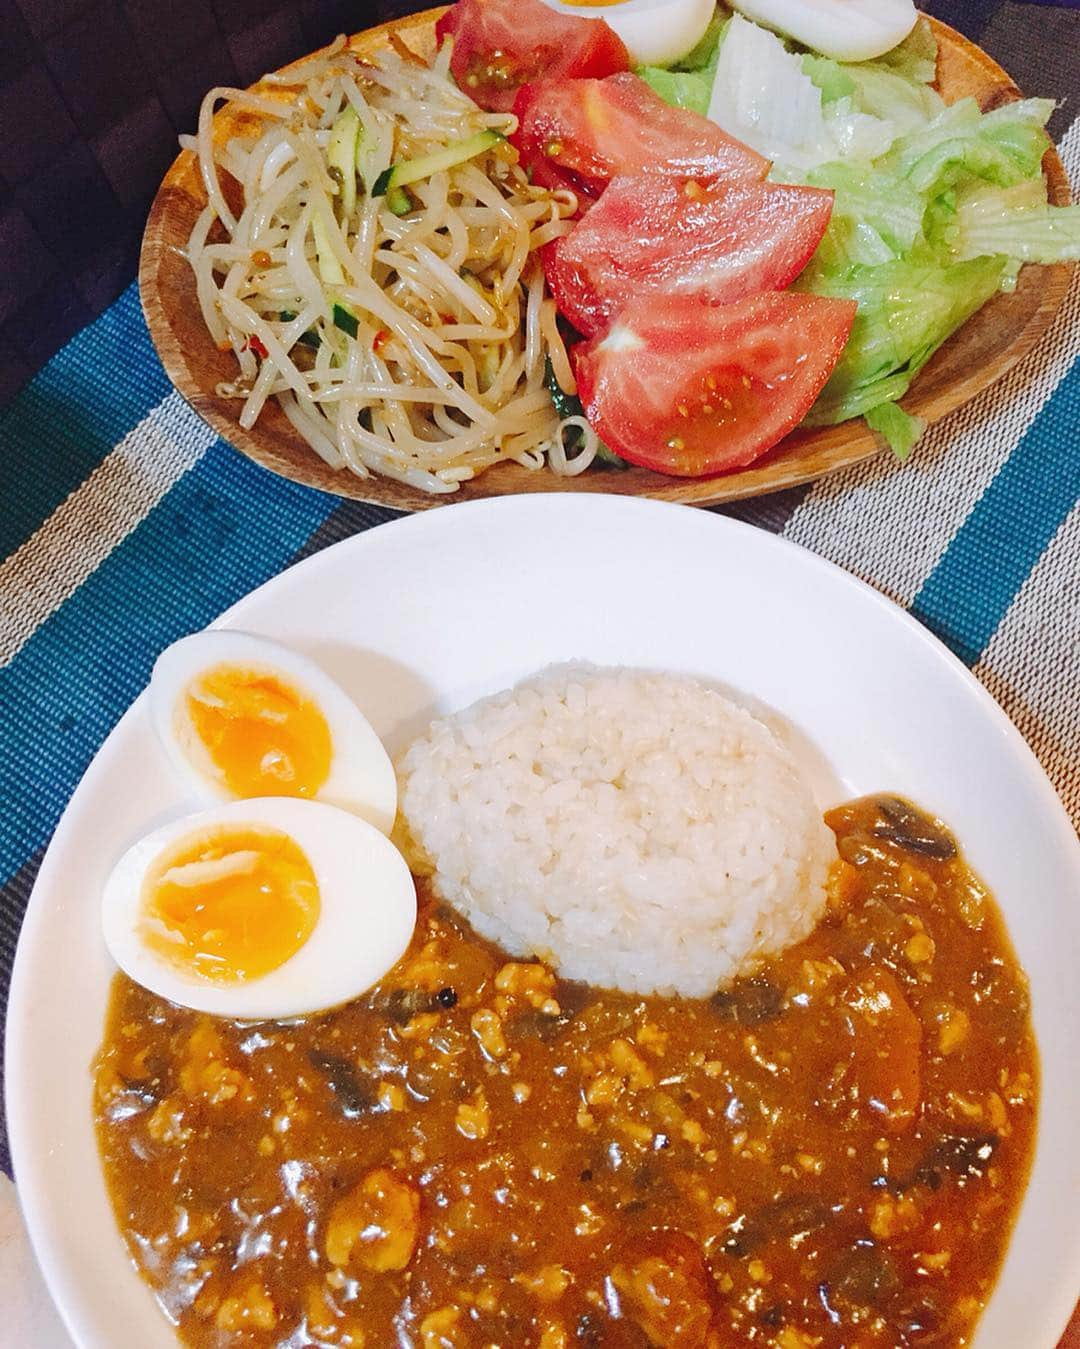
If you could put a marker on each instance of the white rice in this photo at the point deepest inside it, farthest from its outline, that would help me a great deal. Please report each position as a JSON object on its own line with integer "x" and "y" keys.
{"x": 638, "y": 831}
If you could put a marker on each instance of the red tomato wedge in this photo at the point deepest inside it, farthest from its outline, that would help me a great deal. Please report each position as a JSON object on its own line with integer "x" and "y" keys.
{"x": 582, "y": 133}
{"x": 719, "y": 240}
{"x": 502, "y": 44}
{"x": 690, "y": 388}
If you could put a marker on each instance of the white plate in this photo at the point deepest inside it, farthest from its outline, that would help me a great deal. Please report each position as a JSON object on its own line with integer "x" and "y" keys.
{"x": 432, "y": 611}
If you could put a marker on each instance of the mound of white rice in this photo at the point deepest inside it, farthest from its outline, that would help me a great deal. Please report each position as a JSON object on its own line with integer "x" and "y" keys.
{"x": 636, "y": 830}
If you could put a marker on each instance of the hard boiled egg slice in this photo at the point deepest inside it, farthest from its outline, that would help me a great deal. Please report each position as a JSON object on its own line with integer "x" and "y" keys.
{"x": 260, "y": 909}
{"x": 241, "y": 716}
{"x": 655, "y": 32}
{"x": 846, "y": 30}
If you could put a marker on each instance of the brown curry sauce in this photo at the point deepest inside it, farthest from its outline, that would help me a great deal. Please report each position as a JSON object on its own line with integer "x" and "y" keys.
{"x": 831, "y": 1152}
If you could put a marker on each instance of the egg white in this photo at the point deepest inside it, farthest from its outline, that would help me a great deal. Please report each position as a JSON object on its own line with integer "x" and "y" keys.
{"x": 655, "y": 32}
{"x": 361, "y": 777}
{"x": 846, "y": 30}
{"x": 367, "y": 912}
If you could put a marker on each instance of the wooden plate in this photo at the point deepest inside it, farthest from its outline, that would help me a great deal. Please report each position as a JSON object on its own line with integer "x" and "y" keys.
{"x": 997, "y": 337}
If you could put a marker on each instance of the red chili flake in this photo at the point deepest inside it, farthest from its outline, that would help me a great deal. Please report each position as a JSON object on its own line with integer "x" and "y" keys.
{"x": 380, "y": 339}
{"x": 256, "y": 345}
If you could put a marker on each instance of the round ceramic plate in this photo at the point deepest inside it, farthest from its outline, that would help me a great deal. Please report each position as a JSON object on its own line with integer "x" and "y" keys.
{"x": 990, "y": 343}
{"x": 430, "y": 612}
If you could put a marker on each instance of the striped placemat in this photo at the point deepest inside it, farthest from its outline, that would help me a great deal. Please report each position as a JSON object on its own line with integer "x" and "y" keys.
{"x": 128, "y": 523}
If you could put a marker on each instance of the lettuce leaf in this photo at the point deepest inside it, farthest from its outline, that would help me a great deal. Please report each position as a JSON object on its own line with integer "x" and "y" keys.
{"x": 765, "y": 96}
{"x": 891, "y": 207}
{"x": 915, "y": 58}
{"x": 830, "y": 76}
{"x": 899, "y": 429}
{"x": 882, "y": 93}
{"x": 935, "y": 207}
{"x": 1015, "y": 222}
{"x": 1003, "y": 147}
{"x": 689, "y": 83}
{"x": 681, "y": 88}
{"x": 703, "y": 56}
{"x": 907, "y": 308}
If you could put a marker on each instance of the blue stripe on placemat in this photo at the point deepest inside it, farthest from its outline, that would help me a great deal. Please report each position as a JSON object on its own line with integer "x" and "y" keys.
{"x": 969, "y": 592}
{"x": 347, "y": 518}
{"x": 223, "y": 529}
{"x": 73, "y": 413}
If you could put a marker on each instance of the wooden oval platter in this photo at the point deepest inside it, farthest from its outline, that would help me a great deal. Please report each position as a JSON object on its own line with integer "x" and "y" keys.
{"x": 998, "y": 336}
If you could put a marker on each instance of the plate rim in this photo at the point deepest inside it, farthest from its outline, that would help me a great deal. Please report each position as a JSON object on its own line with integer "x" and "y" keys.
{"x": 832, "y": 449}
{"x": 66, "y": 1289}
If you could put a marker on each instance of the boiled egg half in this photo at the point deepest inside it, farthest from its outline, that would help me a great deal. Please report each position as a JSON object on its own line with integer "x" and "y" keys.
{"x": 260, "y": 909}
{"x": 654, "y": 32}
{"x": 846, "y": 30}
{"x": 240, "y": 716}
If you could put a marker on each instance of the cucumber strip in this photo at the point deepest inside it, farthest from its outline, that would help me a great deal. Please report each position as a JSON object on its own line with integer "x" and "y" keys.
{"x": 399, "y": 201}
{"x": 341, "y": 155}
{"x": 412, "y": 170}
{"x": 609, "y": 457}
{"x": 367, "y": 157}
{"x": 309, "y": 339}
{"x": 569, "y": 405}
{"x": 346, "y": 320}
{"x": 330, "y": 269}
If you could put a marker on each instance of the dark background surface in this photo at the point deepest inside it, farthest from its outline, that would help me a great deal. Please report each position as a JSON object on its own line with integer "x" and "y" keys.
{"x": 93, "y": 94}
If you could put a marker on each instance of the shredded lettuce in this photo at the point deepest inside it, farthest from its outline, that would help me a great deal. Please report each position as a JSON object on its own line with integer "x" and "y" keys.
{"x": 899, "y": 429}
{"x": 962, "y": 142}
{"x": 935, "y": 208}
{"x": 891, "y": 208}
{"x": 704, "y": 54}
{"x": 763, "y": 95}
{"x": 907, "y": 308}
{"x": 829, "y": 76}
{"x": 882, "y": 93}
{"x": 916, "y": 57}
{"x": 875, "y": 89}
{"x": 689, "y": 83}
{"x": 1015, "y": 222}
{"x": 681, "y": 88}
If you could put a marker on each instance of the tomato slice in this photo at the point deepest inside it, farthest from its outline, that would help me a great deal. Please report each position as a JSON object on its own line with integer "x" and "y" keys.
{"x": 687, "y": 387}
{"x": 502, "y": 44}
{"x": 582, "y": 133}
{"x": 720, "y": 240}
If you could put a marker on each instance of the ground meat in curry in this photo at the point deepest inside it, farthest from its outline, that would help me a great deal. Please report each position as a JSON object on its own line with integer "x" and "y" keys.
{"x": 830, "y": 1152}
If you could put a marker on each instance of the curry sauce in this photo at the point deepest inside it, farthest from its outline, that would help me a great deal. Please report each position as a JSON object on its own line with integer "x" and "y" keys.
{"x": 830, "y": 1152}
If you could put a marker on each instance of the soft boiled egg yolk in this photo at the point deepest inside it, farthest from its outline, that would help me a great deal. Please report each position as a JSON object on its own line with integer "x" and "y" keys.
{"x": 230, "y": 903}
{"x": 242, "y": 718}
{"x": 260, "y": 909}
{"x": 263, "y": 736}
